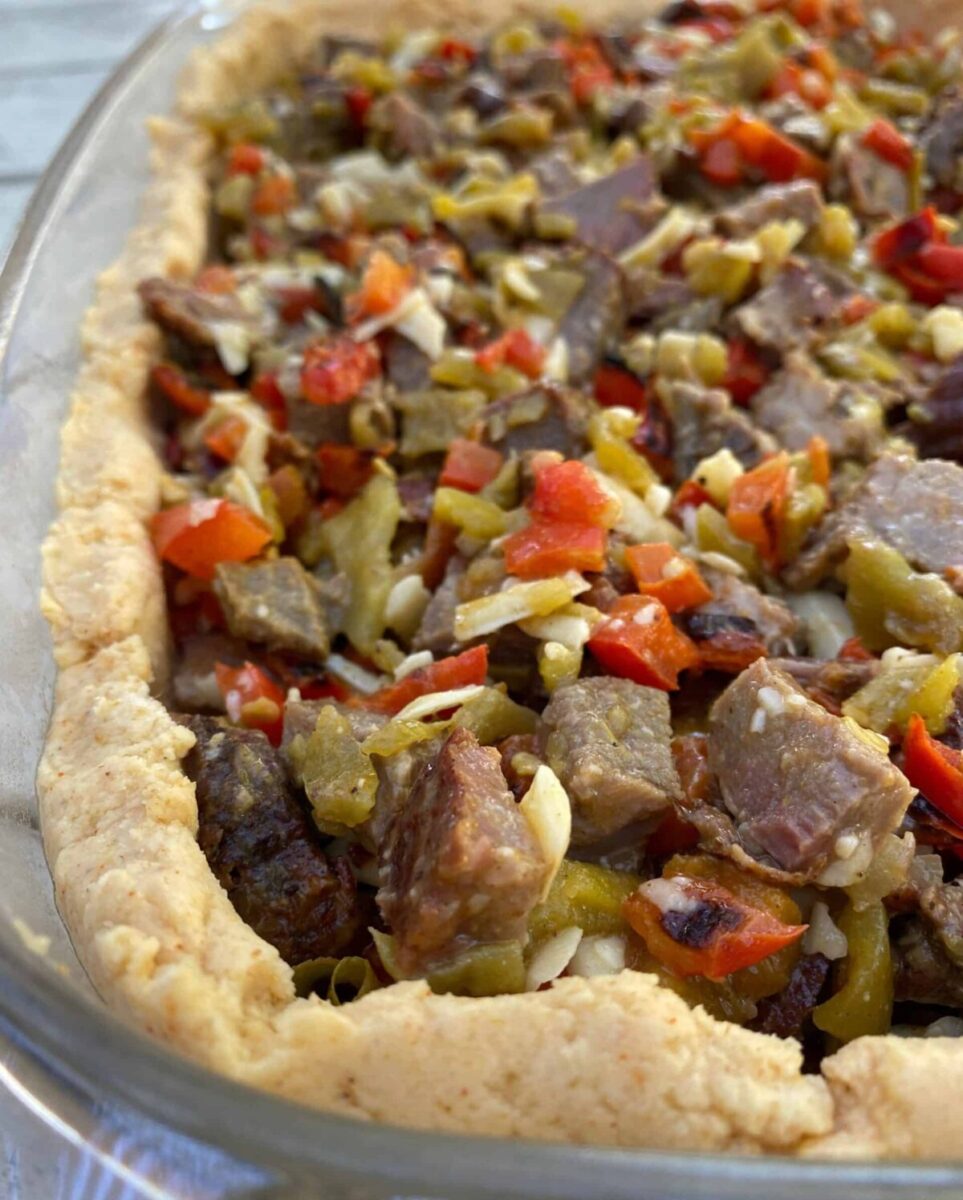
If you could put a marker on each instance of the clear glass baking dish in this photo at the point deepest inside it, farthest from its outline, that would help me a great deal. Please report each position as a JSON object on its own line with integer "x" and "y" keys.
{"x": 145, "y": 1121}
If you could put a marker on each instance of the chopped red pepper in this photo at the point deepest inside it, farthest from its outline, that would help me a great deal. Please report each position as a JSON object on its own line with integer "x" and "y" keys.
{"x": 689, "y": 495}
{"x": 344, "y": 470}
{"x": 819, "y": 460}
{"x": 199, "y": 534}
{"x": 455, "y": 50}
{"x": 857, "y": 307}
{"x": 697, "y": 927}
{"x": 757, "y": 502}
{"x": 853, "y": 650}
{"x": 252, "y": 699}
{"x": 273, "y": 195}
{"x": 290, "y": 493}
{"x": 943, "y": 263}
{"x": 384, "y": 285}
{"x": 903, "y": 241}
{"x": 547, "y": 548}
{"x": 936, "y": 770}
{"x": 722, "y": 163}
{"x": 173, "y": 384}
{"x": 916, "y": 253}
{"x": 809, "y": 84}
{"x": 588, "y": 70}
{"x": 358, "y": 101}
{"x": 518, "y": 349}
{"x": 748, "y": 142}
{"x": 672, "y": 835}
{"x": 245, "y": 159}
{"x": 616, "y": 386}
{"x": 226, "y": 438}
{"x": 461, "y": 670}
{"x": 662, "y": 572}
{"x": 335, "y": 370}
{"x": 569, "y": 492}
{"x": 884, "y": 139}
{"x": 730, "y": 651}
{"x": 469, "y": 466}
{"x": 638, "y": 641}
{"x": 746, "y": 372}
{"x": 217, "y": 279}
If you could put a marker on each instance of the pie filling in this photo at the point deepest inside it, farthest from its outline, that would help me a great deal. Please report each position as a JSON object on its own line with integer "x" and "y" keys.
{"x": 562, "y": 529}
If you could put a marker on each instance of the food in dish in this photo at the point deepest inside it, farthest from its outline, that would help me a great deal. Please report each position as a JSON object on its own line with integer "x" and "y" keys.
{"x": 559, "y": 531}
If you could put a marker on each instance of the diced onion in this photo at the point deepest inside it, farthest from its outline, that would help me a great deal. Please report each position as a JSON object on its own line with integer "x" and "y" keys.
{"x": 354, "y": 676}
{"x": 551, "y": 959}
{"x": 823, "y": 935}
{"x": 414, "y": 662}
{"x": 434, "y": 702}
{"x": 518, "y": 601}
{"x": 827, "y": 620}
{"x": 598, "y": 955}
{"x": 547, "y": 810}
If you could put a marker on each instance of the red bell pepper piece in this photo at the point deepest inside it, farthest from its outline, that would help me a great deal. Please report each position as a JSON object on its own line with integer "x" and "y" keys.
{"x": 455, "y": 50}
{"x": 697, "y": 927}
{"x": 569, "y": 492}
{"x": 547, "y": 548}
{"x": 730, "y": 651}
{"x": 290, "y": 493}
{"x": 358, "y": 101}
{"x": 173, "y": 384}
{"x": 820, "y": 463}
{"x": 885, "y": 140}
{"x": 226, "y": 438}
{"x": 335, "y": 370}
{"x": 616, "y": 386}
{"x": 638, "y": 641}
{"x": 689, "y": 495}
{"x": 746, "y": 372}
{"x": 384, "y": 285}
{"x": 518, "y": 349}
{"x": 722, "y": 163}
{"x": 795, "y": 80}
{"x": 853, "y": 650}
{"x": 757, "y": 502}
{"x": 469, "y": 466}
{"x": 252, "y": 699}
{"x": 217, "y": 279}
{"x": 245, "y": 159}
{"x": 344, "y": 470}
{"x": 943, "y": 263}
{"x": 936, "y": 770}
{"x": 273, "y": 196}
{"x": 662, "y": 572}
{"x": 199, "y": 534}
{"x": 461, "y": 670}
{"x": 903, "y": 241}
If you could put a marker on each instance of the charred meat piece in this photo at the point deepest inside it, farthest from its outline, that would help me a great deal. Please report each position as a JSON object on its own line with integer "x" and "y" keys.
{"x": 609, "y": 742}
{"x": 942, "y": 142}
{"x": 437, "y": 629}
{"x": 803, "y": 788}
{"x": 650, "y": 295}
{"x": 263, "y": 849}
{"x": 937, "y": 419}
{"x": 705, "y": 420}
{"x": 784, "y": 314}
{"x": 483, "y": 92}
{"x": 595, "y": 319}
{"x": 613, "y": 212}
{"x": 546, "y": 417}
{"x": 922, "y": 970}
{"x": 405, "y": 129}
{"x": 801, "y": 200}
{"x": 828, "y": 681}
{"x": 276, "y": 603}
{"x": 742, "y": 607}
{"x": 915, "y": 507}
{"x": 785, "y": 1014}
{"x": 195, "y": 317}
{"x": 800, "y": 402}
{"x": 407, "y": 368}
{"x": 873, "y": 187}
{"x": 459, "y": 864}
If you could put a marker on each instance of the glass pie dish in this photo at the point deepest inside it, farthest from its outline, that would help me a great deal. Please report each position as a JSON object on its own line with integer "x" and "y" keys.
{"x": 155, "y": 1123}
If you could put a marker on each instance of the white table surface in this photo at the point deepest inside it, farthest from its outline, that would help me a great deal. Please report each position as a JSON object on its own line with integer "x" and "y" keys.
{"x": 55, "y": 56}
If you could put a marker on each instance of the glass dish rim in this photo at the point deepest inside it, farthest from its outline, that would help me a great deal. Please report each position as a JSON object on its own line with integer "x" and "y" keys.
{"x": 66, "y": 1035}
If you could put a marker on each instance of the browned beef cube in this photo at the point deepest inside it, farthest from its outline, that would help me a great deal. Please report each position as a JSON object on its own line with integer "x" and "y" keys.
{"x": 915, "y": 507}
{"x": 459, "y": 863}
{"x": 190, "y": 314}
{"x": 609, "y": 742}
{"x": 942, "y": 141}
{"x": 594, "y": 321}
{"x": 803, "y": 787}
{"x": 801, "y": 200}
{"x": 275, "y": 602}
{"x": 264, "y": 850}
{"x": 613, "y": 212}
{"x": 800, "y": 402}
{"x": 870, "y": 185}
{"x": 437, "y": 629}
{"x": 785, "y": 312}
{"x": 546, "y": 417}
{"x": 937, "y": 416}
{"x": 740, "y": 606}
{"x": 405, "y": 128}
{"x": 705, "y": 420}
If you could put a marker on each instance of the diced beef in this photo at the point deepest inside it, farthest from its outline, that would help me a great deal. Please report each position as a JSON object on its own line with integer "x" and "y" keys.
{"x": 437, "y": 629}
{"x": 541, "y": 69}
{"x": 873, "y": 187}
{"x": 555, "y": 173}
{"x": 785, "y": 1014}
{"x": 263, "y": 849}
{"x": 274, "y": 602}
{"x": 705, "y": 420}
{"x": 313, "y": 424}
{"x": 613, "y": 212}
{"x": 739, "y": 605}
{"x": 546, "y": 417}
{"x": 458, "y": 861}
{"x": 785, "y": 312}
{"x": 617, "y": 49}
{"x": 406, "y": 129}
{"x": 650, "y": 294}
{"x": 608, "y": 741}
{"x": 828, "y": 681}
{"x": 192, "y": 315}
{"x": 699, "y": 314}
{"x": 915, "y": 507}
{"x": 942, "y": 142}
{"x": 803, "y": 788}
{"x": 406, "y": 367}
{"x": 519, "y": 754}
{"x": 483, "y": 92}
{"x": 937, "y": 418}
{"x": 800, "y": 200}
{"x": 594, "y": 321}
{"x": 923, "y": 972}
{"x": 800, "y": 402}
{"x": 416, "y": 494}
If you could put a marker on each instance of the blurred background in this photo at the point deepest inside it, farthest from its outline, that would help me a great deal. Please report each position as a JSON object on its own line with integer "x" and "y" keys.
{"x": 55, "y": 57}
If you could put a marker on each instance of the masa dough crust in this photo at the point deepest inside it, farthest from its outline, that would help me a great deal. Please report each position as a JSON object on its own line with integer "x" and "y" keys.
{"x": 615, "y": 1060}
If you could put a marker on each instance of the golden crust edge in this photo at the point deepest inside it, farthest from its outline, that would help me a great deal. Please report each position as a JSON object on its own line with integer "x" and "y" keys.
{"x": 637, "y": 1067}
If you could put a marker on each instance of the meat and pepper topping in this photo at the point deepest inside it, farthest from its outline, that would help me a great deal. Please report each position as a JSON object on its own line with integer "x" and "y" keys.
{"x": 563, "y": 530}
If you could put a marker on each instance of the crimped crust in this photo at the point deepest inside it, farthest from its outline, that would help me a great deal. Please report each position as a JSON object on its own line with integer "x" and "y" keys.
{"x": 614, "y": 1060}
